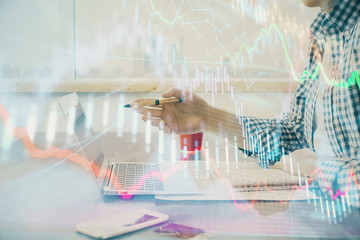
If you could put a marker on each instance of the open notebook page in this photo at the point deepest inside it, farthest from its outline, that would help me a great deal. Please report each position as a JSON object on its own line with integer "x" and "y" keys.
{"x": 250, "y": 175}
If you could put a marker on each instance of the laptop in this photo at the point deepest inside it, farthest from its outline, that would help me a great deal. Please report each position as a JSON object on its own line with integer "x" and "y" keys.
{"x": 120, "y": 177}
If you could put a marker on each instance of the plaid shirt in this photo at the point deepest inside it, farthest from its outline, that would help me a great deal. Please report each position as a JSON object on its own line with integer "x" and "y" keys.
{"x": 269, "y": 139}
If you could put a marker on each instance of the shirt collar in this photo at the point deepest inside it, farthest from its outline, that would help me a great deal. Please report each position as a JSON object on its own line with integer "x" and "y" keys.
{"x": 343, "y": 17}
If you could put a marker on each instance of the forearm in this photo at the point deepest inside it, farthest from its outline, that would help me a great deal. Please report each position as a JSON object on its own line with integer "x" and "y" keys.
{"x": 266, "y": 139}
{"x": 347, "y": 180}
{"x": 224, "y": 124}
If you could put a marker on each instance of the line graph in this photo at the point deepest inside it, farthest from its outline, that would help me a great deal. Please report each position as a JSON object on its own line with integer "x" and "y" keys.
{"x": 250, "y": 49}
{"x": 35, "y": 152}
{"x": 21, "y": 133}
{"x": 243, "y": 46}
{"x": 185, "y": 19}
{"x": 242, "y": 49}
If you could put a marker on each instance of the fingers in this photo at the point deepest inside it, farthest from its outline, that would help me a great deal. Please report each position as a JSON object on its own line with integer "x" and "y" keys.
{"x": 167, "y": 130}
{"x": 155, "y": 116}
{"x": 149, "y": 112}
{"x": 154, "y": 121}
{"x": 158, "y": 122}
{"x": 163, "y": 126}
{"x": 168, "y": 114}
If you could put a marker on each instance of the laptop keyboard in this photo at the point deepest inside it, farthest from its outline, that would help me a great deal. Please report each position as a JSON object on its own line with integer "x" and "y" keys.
{"x": 136, "y": 176}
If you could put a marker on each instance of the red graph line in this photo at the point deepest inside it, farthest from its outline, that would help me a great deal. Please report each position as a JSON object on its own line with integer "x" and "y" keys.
{"x": 21, "y": 133}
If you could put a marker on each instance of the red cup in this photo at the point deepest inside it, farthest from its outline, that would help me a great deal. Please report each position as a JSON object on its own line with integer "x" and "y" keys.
{"x": 191, "y": 141}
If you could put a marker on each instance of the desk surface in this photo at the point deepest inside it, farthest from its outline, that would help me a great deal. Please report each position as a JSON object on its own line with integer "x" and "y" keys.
{"x": 46, "y": 198}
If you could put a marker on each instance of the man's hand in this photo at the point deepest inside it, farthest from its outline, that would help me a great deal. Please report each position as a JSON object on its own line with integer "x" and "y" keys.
{"x": 303, "y": 159}
{"x": 188, "y": 116}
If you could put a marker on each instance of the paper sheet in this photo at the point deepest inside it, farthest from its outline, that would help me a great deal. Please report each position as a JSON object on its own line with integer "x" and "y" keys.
{"x": 283, "y": 195}
{"x": 242, "y": 181}
{"x": 251, "y": 174}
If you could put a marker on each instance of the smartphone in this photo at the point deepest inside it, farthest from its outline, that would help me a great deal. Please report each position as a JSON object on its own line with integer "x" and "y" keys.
{"x": 122, "y": 223}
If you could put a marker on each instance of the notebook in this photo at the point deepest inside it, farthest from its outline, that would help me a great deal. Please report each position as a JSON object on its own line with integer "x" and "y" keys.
{"x": 249, "y": 176}
{"x": 246, "y": 181}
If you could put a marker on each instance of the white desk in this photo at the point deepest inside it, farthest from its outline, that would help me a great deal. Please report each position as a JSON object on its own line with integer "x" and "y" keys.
{"x": 45, "y": 199}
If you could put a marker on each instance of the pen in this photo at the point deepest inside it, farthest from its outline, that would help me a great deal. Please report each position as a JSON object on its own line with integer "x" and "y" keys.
{"x": 153, "y": 102}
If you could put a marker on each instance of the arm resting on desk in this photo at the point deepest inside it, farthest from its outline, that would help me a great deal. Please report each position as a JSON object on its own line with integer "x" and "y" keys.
{"x": 340, "y": 179}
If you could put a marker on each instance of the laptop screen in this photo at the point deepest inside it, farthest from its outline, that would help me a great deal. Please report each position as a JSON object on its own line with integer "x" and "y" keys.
{"x": 84, "y": 134}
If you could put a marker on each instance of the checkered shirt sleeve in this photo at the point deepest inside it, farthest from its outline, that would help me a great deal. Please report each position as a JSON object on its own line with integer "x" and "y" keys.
{"x": 270, "y": 139}
{"x": 339, "y": 178}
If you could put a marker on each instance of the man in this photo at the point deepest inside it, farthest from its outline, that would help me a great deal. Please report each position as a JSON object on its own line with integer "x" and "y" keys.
{"x": 324, "y": 114}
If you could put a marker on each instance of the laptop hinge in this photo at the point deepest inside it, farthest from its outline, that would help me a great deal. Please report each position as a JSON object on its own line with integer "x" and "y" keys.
{"x": 111, "y": 171}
